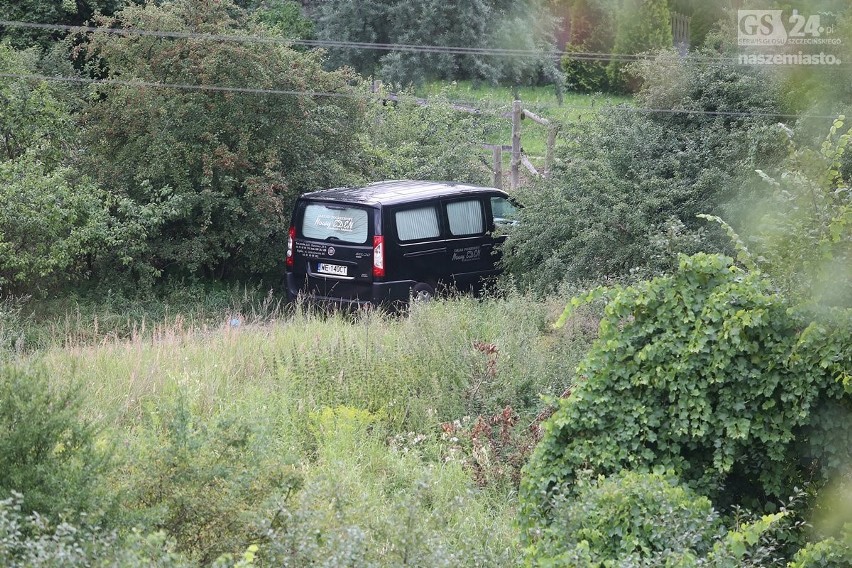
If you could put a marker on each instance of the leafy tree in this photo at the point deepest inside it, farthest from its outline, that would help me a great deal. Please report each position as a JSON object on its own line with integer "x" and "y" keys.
{"x": 285, "y": 17}
{"x": 592, "y": 27}
{"x": 367, "y": 21}
{"x": 413, "y": 141}
{"x": 202, "y": 180}
{"x": 486, "y": 24}
{"x": 709, "y": 374}
{"x": 642, "y": 25}
{"x": 52, "y": 218}
{"x": 65, "y": 12}
{"x": 33, "y": 114}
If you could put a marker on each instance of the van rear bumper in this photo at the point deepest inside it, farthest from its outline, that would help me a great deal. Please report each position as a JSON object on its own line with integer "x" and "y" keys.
{"x": 376, "y": 293}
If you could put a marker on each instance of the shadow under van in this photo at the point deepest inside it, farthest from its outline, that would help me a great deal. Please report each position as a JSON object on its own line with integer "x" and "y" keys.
{"x": 389, "y": 241}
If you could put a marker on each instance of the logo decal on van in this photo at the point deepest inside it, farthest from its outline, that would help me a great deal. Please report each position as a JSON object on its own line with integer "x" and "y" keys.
{"x": 467, "y": 254}
{"x": 330, "y": 251}
{"x": 335, "y": 223}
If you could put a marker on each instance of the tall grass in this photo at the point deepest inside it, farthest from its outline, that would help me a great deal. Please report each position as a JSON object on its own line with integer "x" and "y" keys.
{"x": 253, "y": 423}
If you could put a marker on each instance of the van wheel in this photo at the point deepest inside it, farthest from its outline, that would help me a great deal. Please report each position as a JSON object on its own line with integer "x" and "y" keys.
{"x": 422, "y": 292}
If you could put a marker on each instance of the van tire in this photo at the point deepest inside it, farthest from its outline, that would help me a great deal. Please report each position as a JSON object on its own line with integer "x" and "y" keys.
{"x": 422, "y": 292}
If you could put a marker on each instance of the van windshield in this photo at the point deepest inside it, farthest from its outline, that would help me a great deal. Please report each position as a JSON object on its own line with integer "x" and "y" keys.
{"x": 335, "y": 223}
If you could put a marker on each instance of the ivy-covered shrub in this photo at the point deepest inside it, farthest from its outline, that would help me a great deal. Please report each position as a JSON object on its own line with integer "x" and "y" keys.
{"x": 711, "y": 375}
{"x": 48, "y": 451}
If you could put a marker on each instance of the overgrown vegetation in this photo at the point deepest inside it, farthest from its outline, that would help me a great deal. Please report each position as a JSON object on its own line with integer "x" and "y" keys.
{"x": 692, "y": 412}
{"x": 627, "y": 187}
{"x": 232, "y": 436}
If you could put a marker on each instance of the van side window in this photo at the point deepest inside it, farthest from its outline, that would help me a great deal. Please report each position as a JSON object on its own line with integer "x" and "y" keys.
{"x": 465, "y": 217}
{"x": 415, "y": 224}
{"x": 504, "y": 212}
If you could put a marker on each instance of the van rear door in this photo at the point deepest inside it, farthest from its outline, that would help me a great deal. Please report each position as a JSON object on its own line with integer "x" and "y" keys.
{"x": 333, "y": 250}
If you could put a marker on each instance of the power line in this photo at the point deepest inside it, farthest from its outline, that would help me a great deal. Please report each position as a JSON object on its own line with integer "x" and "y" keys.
{"x": 340, "y": 44}
{"x": 471, "y": 106}
{"x": 183, "y": 86}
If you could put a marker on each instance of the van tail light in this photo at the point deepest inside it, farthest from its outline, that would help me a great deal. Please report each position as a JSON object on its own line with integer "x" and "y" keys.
{"x": 291, "y": 243}
{"x": 378, "y": 256}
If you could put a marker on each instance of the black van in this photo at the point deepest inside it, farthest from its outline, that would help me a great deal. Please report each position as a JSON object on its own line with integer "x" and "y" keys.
{"x": 387, "y": 241}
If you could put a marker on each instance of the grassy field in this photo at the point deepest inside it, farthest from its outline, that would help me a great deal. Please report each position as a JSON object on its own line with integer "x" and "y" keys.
{"x": 359, "y": 439}
{"x": 497, "y": 103}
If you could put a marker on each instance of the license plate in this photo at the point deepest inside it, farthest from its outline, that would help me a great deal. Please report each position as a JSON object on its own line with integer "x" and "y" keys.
{"x": 334, "y": 269}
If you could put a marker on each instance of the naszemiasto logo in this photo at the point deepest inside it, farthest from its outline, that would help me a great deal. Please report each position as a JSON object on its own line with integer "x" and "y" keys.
{"x": 772, "y": 28}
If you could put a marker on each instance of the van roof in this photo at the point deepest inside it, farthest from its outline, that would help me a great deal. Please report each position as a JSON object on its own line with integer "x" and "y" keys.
{"x": 397, "y": 191}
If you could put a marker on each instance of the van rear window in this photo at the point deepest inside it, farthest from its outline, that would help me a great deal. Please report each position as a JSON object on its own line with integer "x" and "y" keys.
{"x": 347, "y": 224}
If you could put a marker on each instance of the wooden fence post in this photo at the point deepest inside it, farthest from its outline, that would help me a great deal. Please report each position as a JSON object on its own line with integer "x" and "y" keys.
{"x": 498, "y": 166}
{"x": 551, "y": 142}
{"x": 516, "y": 143}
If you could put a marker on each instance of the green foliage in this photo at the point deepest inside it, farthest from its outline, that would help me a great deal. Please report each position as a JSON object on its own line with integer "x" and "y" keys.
{"x": 51, "y": 225}
{"x": 641, "y": 25}
{"x": 68, "y": 12}
{"x": 34, "y": 116}
{"x": 582, "y": 74}
{"x": 648, "y": 519}
{"x": 414, "y": 141}
{"x": 32, "y": 540}
{"x": 627, "y": 186}
{"x": 48, "y": 451}
{"x": 706, "y": 373}
{"x": 804, "y": 229}
{"x": 285, "y": 18}
{"x": 11, "y": 325}
{"x": 593, "y": 28}
{"x": 617, "y": 520}
{"x": 828, "y": 553}
{"x": 202, "y": 483}
{"x": 202, "y": 181}
{"x": 525, "y": 25}
{"x": 363, "y": 505}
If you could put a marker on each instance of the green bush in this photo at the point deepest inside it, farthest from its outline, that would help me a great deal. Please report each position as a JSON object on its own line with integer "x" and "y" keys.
{"x": 28, "y": 540}
{"x": 592, "y": 31}
{"x": 52, "y": 225}
{"x": 413, "y": 141}
{"x": 201, "y": 181}
{"x": 630, "y": 518}
{"x": 828, "y": 553}
{"x": 48, "y": 451}
{"x": 802, "y": 225}
{"x": 709, "y": 374}
{"x": 626, "y": 186}
{"x": 202, "y": 482}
